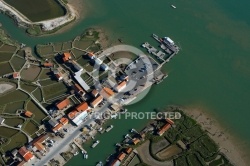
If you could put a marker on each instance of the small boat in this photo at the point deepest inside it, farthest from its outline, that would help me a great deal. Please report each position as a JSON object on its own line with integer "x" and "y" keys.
{"x": 95, "y": 144}
{"x": 109, "y": 128}
{"x": 86, "y": 156}
{"x": 99, "y": 163}
{"x": 173, "y": 6}
{"x": 76, "y": 153}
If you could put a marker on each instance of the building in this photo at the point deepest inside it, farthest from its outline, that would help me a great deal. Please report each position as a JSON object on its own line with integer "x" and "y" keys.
{"x": 16, "y": 75}
{"x": 135, "y": 141}
{"x": 72, "y": 114}
{"x": 14, "y": 152}
{"x": 170, "y": 121}
{"x": 107, "y": 92}
{"x": 57, "y": 128}
{"x": 94, "y": 93}
{"x": 98, "y": 61}
{"x": 66, "y": 56}
{"x": 26, "y": 154}
{"x": 121, "y": 86}
{"x": 104, "y": 67}
{"x": 82, "y": 107}
{"x": 79, "y": 79}
{"x": 38, "y": 143}
{"x": 116, "y": 162}
{"x": 64, "y": 121}
{"x": 128, "y": 150}
{"x": 28, "y": 113}
{"x": 77, "y": 67}
{"x": 78, "y": 89}
{"x": 96, "y": 101}
{"x": 163, "y": 129}
{"x": 121, "y": 156}
{"x": 91, "y": 55}
{"x": 48, "y": 64}
{"x": 22, "y": 163}
{"x": 58, "y": 75}
{"x": 52, "y": 122}
{"x": 80, "y": 116}
{"x": 63, "y": 104}
{"x": 1, "y": 120}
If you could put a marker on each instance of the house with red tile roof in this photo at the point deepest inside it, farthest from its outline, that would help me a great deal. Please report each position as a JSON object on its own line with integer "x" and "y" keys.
{"x": 78, "y": 89}
{"x": 163, "y": 129}
{"x": 57, "y": 128}
{"x": 170, "y": 121}
{"x": 96, "y": 101}
{"x": 128, "y": 150}
{"x": 28, "y": 113}
{"x": 48, "y": 64}
{"x": 121, "y": 86}
{"x": 94, "y": 93}
{"x": 66, "y": 56}
{"x": 72, "y": 114}
{"x": 107, "y": 92}
{"x": 26, "y": 154}
{"x": 121, "y": 156}
{"x": 82, "y": 107}
{"x": 91, "y": 55}
{"x": 63, "y": 104}
{"x": 16, "y": 75}
{"x": 116, "y": 162}
{"x": 64, "y": 121}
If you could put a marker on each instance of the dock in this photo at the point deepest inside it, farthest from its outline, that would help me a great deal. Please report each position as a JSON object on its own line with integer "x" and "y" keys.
{"x": 80, "y": 147}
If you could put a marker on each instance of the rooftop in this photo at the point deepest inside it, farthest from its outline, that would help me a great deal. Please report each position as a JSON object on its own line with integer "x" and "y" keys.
{"x": 63, "y": 104}
{"x": 82, "y": 107}
{"x": 28, "y": 114}
{"x": 121, "y": 85}
{"x": 96, "y": 101}
{"x": 121, "y": 156}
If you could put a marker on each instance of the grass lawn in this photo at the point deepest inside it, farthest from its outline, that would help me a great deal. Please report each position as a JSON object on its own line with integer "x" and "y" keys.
{"x": 182, "y": 161}
{"x": 48, "y": 82}
{"x": 28, "y": 88}
{"x": 83, "y": 44}
{"x": 13, "y": 97}
{"x": 58, "y": 47}
{"x": 78, "y": 53}
{"x": 67, "y": 45}
{"x": 21, "y": 53}
{"x": 12, "y": 107}
{"x": 123, "y": 54}
{"x": 38, "y": 94}
{"x": 39, "y": 115}
{"x": 45, "y": 73}
{"x": 17, "y": 62}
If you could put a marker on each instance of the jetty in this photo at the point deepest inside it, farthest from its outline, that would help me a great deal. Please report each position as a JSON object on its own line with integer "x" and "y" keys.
{"x": 80, "y": 147}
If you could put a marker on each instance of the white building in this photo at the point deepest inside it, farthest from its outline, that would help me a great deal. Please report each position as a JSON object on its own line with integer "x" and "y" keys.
{"x": 79, "y": 79}
{"x": 79, "y": 118}
{"x": 104, "y": 67}
{"x": 77, "y": 66}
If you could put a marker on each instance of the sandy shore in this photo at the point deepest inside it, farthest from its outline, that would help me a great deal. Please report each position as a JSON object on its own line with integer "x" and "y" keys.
{"x": 230, "y": 146}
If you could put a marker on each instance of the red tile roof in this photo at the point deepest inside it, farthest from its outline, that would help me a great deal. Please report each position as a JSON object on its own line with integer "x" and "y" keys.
{"x": 82, "y": 107}
{"x": 121, "y": 156}
{"x": 63, "y": 104}
{"x": 57, "y": 127}
{"x": 96, "y": 101}
{"x": 66, "y": 56}
{"x": 136, "y": 141}
{"x": 170, "y": 121}
{"x": 28, "y": 156}
{"x": 108, "y": 92}
{"x": 47, "y": 64}
{"x": 39, "y": 146}
{"x": 28, "y": 114}
{"x": 23, "y": 151}
{"x": 128, "y": 150}
{"x": 72, "y": 114}
{"x": 64, "y": 121}
{"x": 121, "y": 85}
{"x": 164, "y": 129}
{"x": 15, "y": 75}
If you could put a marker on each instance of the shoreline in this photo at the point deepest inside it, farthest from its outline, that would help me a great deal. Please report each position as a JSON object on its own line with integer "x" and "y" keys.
{"x": 229, "y": 145}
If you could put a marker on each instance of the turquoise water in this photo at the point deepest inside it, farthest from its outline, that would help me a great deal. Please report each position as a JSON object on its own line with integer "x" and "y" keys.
{"x": 212, "y": 72}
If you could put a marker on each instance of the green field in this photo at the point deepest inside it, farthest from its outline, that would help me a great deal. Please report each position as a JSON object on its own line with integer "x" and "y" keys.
{"x": 13, "y": 122}
{"x": 17, "y": 141}
{"x": 7, "y": 132}
{"x": 5, "y": 68}
{"x": 8, "y": 48}
{"x": 38, "y": 10}
{"x": 5, "y": 56}
{"x": 67, "y": 45}
{"x": 21, "y": 53}
{"x": 17, "y": 62}
{"x": 84, "y": 44}
{"x": 54, "y": 90}
{"x": 38, "y": 94}
{"x": 39, "y": 115}
{"x": 48, "y": 82}
{"x": 31, "y": 73}
{"x": 13, "y": 96}
{"x": 12, "y": 107}
{"x": 58, "y": 47}
{"x": 30, "y": 128}
{"x": 78, "y": 53}
{"x": 45, "y": 73}
{"x": 28, "y": 88}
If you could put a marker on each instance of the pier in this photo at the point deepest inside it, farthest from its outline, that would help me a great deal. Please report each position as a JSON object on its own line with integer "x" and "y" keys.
{"x": 80, "y": 147}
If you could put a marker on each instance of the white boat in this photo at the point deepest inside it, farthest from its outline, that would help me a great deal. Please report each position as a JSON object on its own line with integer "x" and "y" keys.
{"x": 86, "y": 156}
{"x": 99, "y": 163}
{"x": 109, "y": 128}
{"x": 173, "y": 6}
{"x": 95, "y": 144}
